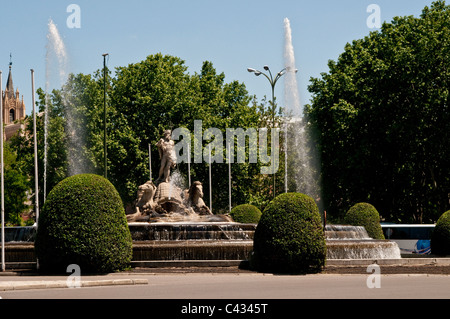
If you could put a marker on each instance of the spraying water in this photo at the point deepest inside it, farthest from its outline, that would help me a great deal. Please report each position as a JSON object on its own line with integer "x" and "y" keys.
{"x": 176, "y": 183}
{"x": 291, "y": 95}
{"x": 56, "y": 48}
{"x": 56, "y": 75}
{"x": 55, "y": 60}
{"x": 301, "y": 173}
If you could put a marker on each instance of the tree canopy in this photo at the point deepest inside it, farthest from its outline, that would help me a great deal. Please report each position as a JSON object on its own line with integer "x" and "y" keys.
{"x": 383, "y": 121}
{"x": 143, "y": 99}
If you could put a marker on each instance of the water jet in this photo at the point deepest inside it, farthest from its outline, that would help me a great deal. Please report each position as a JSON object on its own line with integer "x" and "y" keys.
{"x": 353, "y": 242}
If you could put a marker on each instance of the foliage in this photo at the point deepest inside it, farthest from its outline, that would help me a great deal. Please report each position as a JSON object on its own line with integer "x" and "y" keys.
{"x": 440, "y": 238}
{"x": 16, "y": 186}
{"x": 162, "y": 83}
{"x": 365, "y": 214}
{"x": 23, "y": 145}
{"x": 144, "y": 99}
{"x": 381, "y": 113}
{"x": 289, "y": 236}
{"x": 246, "y": 213}
{"x": 83, "y": 222}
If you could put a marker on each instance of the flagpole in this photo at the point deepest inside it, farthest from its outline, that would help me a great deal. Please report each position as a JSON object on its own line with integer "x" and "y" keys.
{"x": 2, "y": 177}
{"x": 36, "y": 176}
{"x": 210, "y": 181}
{"x": 229, "y": 177}
{"x": 150, "y": 159}
{"x": 189, "y": 162}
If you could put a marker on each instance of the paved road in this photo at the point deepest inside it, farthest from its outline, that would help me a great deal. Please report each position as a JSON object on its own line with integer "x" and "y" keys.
{"x": 243, "y": 286}
{"x": 227, "y": 295}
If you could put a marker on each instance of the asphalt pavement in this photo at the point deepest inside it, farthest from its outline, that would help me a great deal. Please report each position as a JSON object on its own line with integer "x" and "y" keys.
{"x": 222, "y": 292}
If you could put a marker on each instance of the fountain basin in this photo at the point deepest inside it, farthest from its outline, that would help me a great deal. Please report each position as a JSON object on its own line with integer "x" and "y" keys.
{"x": 212, "y": 241}
{"x": 20, "y": 234}
{"x": 344, "y": 232}
{"x": 353, "y": 242}
{"x": 192, "y": 250}
{"x": 191, "y": 231}
{"x": 362, "y": 249}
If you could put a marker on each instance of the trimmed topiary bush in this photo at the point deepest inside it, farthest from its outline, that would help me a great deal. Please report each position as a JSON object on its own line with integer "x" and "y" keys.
{"x": 83, "y": 222}
{"x": 440, "y": 238}
{"x": 365, "y": 214}
{"x": 289, "y": 236}
{"x": 246, "y": 213}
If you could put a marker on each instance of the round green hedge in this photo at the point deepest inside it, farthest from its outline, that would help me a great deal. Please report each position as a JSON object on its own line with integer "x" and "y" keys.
{"x": 440, "y": 238}
{"x": 246, "y": 213}
{"x": 289, "y": 236}
{"x": 83, "y": 222}
{"x": 365, "y": 214}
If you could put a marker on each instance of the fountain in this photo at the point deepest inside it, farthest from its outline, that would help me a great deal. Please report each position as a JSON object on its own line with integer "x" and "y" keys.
{"x": 353, "y": 242}
{"x": 56, "y": 52}
{"x": 57, "y": 71}
{"x": 165, "y": 200}
{"x": 169, "y": 224}
{"x": 301, "y": 169}
{"x": 173, "y": 223}
{"x": 343, "y": 241}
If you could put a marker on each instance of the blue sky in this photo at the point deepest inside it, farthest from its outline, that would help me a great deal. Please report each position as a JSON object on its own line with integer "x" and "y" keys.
{"x": 233, "y": 34}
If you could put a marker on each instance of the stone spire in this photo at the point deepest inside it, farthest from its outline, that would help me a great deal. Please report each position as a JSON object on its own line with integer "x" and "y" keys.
{"x": 9, "y": 83}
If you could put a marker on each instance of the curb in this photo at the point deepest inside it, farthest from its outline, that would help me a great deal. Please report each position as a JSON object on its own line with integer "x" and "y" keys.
{"x": 24, "y": 285}
{"x": 390, "y": 262}
{"x": 187, "y": 263}
{"x": 236, "y": 263}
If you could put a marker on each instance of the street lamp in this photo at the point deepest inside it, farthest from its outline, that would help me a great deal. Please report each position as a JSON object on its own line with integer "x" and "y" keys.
{"x": 273, "y": 82}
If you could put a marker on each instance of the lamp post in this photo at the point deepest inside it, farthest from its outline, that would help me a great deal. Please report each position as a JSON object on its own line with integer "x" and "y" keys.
{"x": 273, "y": 82}
{"x": 104, "y": 114}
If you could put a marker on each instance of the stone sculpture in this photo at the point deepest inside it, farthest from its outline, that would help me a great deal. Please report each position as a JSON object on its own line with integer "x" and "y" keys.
{"x": 144, "y": 205}
{"x": 195, "y": 199}
{"x": 167, "y": 156}
{"x": 164, "y": 201}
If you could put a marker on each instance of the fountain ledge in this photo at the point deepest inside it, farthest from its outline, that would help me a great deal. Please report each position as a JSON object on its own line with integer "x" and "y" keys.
{"x": 390, "y": 262}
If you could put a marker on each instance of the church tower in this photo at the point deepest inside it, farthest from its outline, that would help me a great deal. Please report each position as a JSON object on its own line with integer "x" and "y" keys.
{"x": 13, "y": 107}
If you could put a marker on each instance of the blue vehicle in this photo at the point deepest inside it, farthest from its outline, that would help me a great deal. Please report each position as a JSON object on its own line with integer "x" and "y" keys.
{"x": 411, "y": 238}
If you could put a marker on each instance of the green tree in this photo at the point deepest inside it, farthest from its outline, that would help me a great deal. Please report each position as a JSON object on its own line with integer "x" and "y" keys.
{"x": 381, "y": 113}
{"x": 148, "y": 97}
{"x": 143, "y": 100}
{"x": 16, "y": 187}
{"x": 158, "y": 94}
{"x": 23, "y": 145}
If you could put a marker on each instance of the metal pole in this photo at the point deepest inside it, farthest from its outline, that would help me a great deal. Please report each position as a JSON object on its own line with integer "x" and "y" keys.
{"x": 272, "y": 83}
{"x": 229, "y": 177}
{"x": 2, "y": 176}
{"x": 36, "y": 176}
{"x": 104, "y": 114}
{"x": 189, "y": 162}
{"x": 285, "y": 155}
{"x": 150, "y": 159}
{"x": 273, "y": 128}
{"x": 210, "y": 182}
